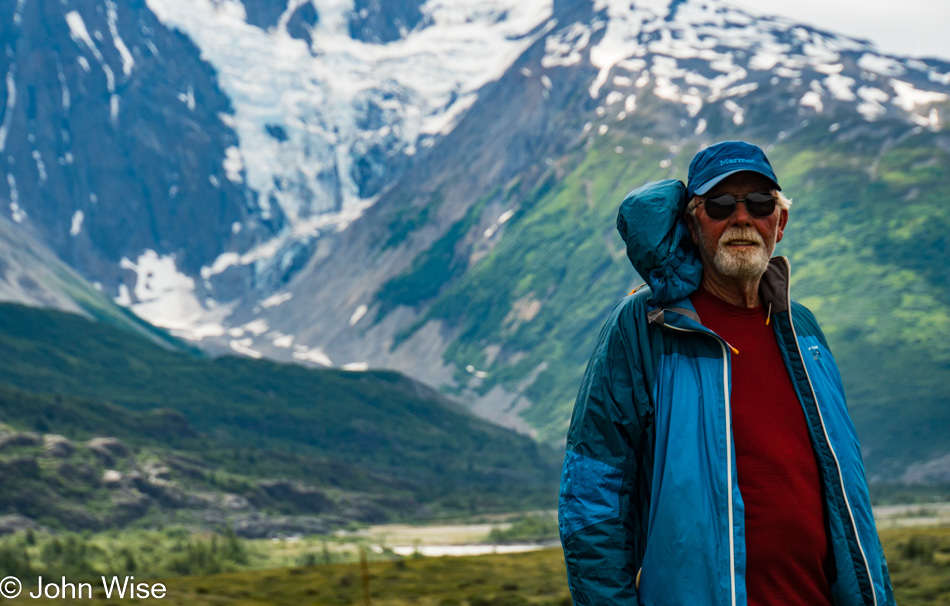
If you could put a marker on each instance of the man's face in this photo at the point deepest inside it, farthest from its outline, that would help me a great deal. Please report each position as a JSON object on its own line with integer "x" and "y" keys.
{"x": 739, "y": 246}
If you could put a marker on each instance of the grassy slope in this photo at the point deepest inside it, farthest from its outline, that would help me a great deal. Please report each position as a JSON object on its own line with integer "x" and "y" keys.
{"x": 866, "y": 241}
{"x": 65, "y": 375}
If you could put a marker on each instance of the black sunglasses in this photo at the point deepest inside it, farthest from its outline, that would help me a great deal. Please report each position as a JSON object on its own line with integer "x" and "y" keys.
{"x": 759, "y": 205}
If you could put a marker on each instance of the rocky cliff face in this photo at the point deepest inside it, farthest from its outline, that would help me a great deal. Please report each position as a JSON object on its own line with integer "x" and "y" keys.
{"x": 114, "y": 141}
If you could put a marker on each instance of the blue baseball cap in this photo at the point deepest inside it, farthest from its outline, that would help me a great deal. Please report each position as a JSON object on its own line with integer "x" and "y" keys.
{"x": 725, "y": 158}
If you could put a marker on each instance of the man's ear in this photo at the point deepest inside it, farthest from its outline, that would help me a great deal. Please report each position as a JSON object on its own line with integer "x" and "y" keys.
{"x": 782, "y": 221}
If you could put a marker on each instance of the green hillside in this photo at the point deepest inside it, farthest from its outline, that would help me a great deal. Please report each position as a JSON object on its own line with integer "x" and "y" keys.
{"x": 377, "y": 433}
{"x": 866, "y": 239}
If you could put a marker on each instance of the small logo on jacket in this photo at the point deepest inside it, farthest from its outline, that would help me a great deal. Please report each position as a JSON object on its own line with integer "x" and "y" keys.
{"x": 815, "y": 352}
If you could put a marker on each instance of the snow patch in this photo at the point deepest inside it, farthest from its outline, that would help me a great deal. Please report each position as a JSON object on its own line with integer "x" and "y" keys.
{"x": 275, "y": 300}
{"x": 164, "y": 296}
{"x": 40, "y": 166}
{"x": 442, "y": 123}
{"x": 233, "y": 164}
{"x": 79, "y": 33}
{"x": 128, "y": 62}
{"x": 840, "y": 87}
{"x": 872, "y": 99}
{"x": 243, "y": 346}
{"x": 934, "y": 76}
{"x": 282, "y": 341}
{"x": 909, "y": 98}
{"x": 11, "y": 102}
{"x": 501, "y": 220}
{"x": 787, "y": 72}
{"x": 565, "y": 49}
{"x": 16, "y": 213}
{"x": 124, "y": 299}
{"x": 630, "y": 104}
{"x": 480, "y": 374}
{"x": 77, "y": 223}
{"x": 188, "y": 98}
{"x": 358, "y": 314}
{"x": 620, "y": 40}
{"x": 613, "y": 97}
{"x": 877, "y": 64}
{"x": 315, "y": 355}
{"x": 64, "y": 87}
{"x": 812, "y": 99}
{"x": 224, "y": 261}
{"x": 356, "y": 367}
{"x": 827, "y": 69}
{"x": 931, "y": 121}
{"x": 736, "y": 110}
{"x": 256, "y": 327}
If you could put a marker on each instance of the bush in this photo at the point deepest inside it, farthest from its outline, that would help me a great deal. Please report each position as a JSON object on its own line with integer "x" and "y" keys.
{"x": 920, "y": 548}
{"x": 529, "y": 528}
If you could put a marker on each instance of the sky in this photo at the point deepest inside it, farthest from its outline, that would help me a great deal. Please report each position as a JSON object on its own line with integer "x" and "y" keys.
{"x": 914, "y": 28}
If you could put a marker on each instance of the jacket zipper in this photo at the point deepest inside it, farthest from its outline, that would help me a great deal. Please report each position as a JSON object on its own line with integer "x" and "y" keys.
{"x": 728, "y": 410}
{"x": 834, "y": 455}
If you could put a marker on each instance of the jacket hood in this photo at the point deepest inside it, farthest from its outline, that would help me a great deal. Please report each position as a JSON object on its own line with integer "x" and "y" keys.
{"x": 658, "y": 242}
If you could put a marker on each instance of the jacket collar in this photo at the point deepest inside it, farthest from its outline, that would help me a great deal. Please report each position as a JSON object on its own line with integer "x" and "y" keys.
{"x": 773, "y": 289}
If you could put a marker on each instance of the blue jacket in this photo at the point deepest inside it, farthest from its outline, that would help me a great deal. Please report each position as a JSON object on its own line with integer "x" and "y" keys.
{"x": 650, "y": 510}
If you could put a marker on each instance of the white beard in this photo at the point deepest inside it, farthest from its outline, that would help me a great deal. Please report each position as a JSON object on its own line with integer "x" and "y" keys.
{"x": 740, "y": 263}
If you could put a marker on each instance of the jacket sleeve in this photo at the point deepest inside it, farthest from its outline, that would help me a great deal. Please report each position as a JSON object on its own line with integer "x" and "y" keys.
{"x": 600, "y": 477}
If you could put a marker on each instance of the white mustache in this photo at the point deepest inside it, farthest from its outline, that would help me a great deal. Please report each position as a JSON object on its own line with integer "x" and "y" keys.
{"x": 741, "y": 233}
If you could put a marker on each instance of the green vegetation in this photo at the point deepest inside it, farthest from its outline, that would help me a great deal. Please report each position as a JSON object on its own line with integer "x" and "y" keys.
{"x": 406, "y": 220}
{"x": 234, "y": 422}
{"x": 919, "y": 564}
{"x": 438, "y": 265}
{"x": 919, "y": 561}
{"x": 171, "y": 552}
{"x": 902, "y": 494}
{"x": 866, "y": 239}
{"x": 530, "y": 528}
{"x": 86, "y": 557}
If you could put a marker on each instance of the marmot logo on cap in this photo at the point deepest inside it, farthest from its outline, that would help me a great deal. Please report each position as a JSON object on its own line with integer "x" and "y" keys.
{"x": 734, "y": 160}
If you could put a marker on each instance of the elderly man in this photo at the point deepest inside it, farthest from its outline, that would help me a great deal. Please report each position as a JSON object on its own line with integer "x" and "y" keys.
{"x": 711, "y": 459}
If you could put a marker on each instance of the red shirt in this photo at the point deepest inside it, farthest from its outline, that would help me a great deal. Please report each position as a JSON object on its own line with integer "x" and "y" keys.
{"x": 785, "y": 519}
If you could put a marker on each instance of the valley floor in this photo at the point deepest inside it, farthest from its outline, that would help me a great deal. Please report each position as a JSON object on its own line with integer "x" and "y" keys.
{"x": 918, "y": 556}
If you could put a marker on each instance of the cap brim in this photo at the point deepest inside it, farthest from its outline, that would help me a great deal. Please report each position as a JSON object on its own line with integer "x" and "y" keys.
{"x": 708, "y": 185}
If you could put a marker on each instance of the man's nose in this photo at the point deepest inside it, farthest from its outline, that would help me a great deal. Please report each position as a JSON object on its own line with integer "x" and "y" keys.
{"x": 740, "y": 216}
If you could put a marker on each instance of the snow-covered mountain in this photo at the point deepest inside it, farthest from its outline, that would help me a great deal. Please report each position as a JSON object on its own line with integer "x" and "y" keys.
{"x": 188, "y": 155}
{"x": 366, "y": 105}
{"x": 305, "y": 180}
{"x": 292, "y": 118}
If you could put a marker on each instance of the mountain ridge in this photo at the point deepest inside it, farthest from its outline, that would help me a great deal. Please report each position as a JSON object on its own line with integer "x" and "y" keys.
{"x": 265, "y": 437}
